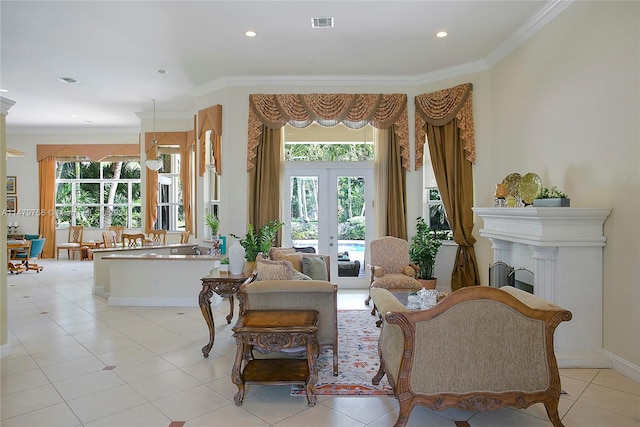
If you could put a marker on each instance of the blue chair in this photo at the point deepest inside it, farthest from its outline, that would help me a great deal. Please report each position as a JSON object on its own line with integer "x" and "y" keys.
{"x": 35, "y": 249}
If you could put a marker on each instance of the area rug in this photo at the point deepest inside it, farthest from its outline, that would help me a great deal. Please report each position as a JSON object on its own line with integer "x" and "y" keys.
{"x": 358, "y": 360}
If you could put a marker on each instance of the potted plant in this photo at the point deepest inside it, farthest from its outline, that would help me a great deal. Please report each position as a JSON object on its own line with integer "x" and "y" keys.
{"x": 551, "y": 197}
{"x": 258, "y": 242}
{"x": 213, "y": 223}
{"x": 422, "y": 252}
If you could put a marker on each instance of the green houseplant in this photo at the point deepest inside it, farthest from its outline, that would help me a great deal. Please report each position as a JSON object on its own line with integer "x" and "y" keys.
{"x": 213, "y": 223}
{"x": 551, "y": 197}
{"x": 423, "y": 250}
{"x": 261, "y": 241}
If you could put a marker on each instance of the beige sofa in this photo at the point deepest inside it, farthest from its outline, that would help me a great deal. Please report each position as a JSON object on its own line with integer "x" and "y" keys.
{"x": 480, "y": 348}
{"x": 297, "y": 295}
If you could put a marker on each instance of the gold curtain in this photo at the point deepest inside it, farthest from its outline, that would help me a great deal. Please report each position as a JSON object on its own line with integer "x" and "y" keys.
{"x": 164, "y": 139}
{"x": 445, "y": 117}
{"x": 186, "y": 171}
{"x": 210, "y": 119}
{"x": 264, "y": 180}
{"x": 382, "y": 111}
{"x": 47, "y": 187}
{"x": 386, "y": 112}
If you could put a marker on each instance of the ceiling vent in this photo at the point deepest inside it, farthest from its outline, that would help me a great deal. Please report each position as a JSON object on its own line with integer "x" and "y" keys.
{"x": 322, "y": 22}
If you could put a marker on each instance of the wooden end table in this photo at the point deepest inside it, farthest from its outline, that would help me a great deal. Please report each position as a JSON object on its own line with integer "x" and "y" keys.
{"x": 226, "y": 286}
{"x": 274, "y": 330}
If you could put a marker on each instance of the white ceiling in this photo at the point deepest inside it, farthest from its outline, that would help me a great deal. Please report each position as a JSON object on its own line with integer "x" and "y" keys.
{"x": 114, "y": 49}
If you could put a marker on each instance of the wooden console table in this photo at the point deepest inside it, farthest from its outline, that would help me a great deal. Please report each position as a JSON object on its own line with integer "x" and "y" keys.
{"x": 225, "y": 285}
{"x": 272, "y": 331}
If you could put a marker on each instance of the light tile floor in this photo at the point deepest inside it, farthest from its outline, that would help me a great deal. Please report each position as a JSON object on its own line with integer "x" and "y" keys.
{"x": 75, "y": 361}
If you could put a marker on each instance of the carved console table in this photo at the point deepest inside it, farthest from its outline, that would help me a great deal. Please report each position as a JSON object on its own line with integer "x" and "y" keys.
{"x": 272, "y": 331}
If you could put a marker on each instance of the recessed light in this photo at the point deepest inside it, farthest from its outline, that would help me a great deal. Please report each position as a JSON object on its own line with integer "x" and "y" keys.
{"x": 441, "y": 34}
{"x": 250, "y": 33}
{"x": 161, "y": 71}
{"x": 4, "y": 90}
{"x": 67, "y": 80}
{"x": 75, "y": 116}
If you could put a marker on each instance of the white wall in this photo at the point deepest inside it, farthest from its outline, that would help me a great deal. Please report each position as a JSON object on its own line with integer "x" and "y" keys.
{"x": 565, "y": 105}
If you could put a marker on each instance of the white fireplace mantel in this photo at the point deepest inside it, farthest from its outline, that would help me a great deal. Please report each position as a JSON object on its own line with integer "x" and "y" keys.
{"x": 565, "y": 245}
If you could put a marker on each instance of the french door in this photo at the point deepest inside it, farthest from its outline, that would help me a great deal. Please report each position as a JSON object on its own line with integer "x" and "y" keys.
{"x": 328, "y": 206}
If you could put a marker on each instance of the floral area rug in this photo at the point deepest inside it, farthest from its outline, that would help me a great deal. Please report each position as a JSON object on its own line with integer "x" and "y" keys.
{"x": 358, "y": 360}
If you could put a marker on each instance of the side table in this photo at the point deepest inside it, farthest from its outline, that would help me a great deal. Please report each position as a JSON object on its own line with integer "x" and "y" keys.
{"x": 225, "y": 285}
{"x": 274, "y": 330}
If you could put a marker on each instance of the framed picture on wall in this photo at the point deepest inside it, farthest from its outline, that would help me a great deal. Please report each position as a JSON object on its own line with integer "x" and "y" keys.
{"x": 12, "y": 203}
{"x": 12, "y": 185}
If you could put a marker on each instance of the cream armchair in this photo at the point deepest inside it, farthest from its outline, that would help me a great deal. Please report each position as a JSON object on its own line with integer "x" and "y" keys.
{"x": 390, "y": 266}
{"x": 480, "y": 348}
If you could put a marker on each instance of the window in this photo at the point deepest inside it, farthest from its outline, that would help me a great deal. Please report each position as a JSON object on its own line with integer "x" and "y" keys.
{"x": 98, "y": 194}
{"x": 316, "y": 143}
{"x": 170, "y": 207}
{"x": 433, "y": 209}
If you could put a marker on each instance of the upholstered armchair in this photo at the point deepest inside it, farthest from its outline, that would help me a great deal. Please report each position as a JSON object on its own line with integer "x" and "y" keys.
{"x": 390, "y": 266}
{"x": 480, "y": 348}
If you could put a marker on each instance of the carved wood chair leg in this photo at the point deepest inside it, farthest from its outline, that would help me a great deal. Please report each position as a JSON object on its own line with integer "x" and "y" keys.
{"x": 552, "y": 413}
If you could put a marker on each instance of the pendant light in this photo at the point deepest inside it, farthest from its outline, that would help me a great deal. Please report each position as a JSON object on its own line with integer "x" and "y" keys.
{"x": 154, "y": 164}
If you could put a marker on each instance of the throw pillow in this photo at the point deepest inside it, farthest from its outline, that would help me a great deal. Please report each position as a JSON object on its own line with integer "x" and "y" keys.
{"x": 300, "y": 276}
{"x": 409, "y": 271}
{"x": 294, "y": 259}
{"x": 273, "y": 270}
{"x": 275, "y": 252}
{"x": 315, "y": 268}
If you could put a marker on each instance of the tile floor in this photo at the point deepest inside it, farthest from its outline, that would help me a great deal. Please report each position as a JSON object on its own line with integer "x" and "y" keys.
{"x": 76, "y": 361}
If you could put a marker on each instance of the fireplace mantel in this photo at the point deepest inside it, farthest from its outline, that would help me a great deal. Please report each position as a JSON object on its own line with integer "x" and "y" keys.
{"x": 566, "y": 246}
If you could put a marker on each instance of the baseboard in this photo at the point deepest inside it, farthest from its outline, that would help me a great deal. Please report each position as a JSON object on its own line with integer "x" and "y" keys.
{"x": 5, "y": 350}
{"x": 623, "y": 366}
{"x": 594, "y": 360}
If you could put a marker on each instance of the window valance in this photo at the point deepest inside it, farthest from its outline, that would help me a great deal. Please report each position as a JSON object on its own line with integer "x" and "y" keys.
{"x": 441, "y": 107}
{"x": 93, "y": 152}
{"x": 167, "y": 139}
{"x": 210, "y": 119}
{"x": 353, "y": 110}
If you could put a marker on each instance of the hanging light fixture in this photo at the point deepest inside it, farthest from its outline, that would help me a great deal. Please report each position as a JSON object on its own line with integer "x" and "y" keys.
{"x": 154, "y": 164}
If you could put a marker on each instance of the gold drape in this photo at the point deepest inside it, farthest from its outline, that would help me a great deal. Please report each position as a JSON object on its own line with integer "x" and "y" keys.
{"x": 382, "y": 111}
{"x": 396, "y": 191}
{"x": 186, "y": 171}
{"x": 210, "y": 119}
{"x": 165, "y": 139}
{"x": 47, "y": 187}
{"x": 264, "y": 180}
{"x": 451, "y": 158}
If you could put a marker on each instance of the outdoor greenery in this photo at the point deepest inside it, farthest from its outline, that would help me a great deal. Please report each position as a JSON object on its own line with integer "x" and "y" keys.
{"x": 259, "y": 242}
{"x": 423, "y": 249}
{"x": 89, "y": 190}
{"x": 328, "y": 152}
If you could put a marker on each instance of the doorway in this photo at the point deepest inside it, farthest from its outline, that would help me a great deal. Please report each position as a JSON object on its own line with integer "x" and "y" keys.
{"x": 328, "y": 206}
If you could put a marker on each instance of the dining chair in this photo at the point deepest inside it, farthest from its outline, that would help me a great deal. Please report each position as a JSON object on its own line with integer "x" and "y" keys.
{"x": 118, "y": 230}
{"x": 158, "y": 237}
{"x": 132, "y": 240}
{"x": 109, "y": 239}
{"x": 185, "y": 236}
{"x": 29, "y": 258}
{"x": 73, "y": 242}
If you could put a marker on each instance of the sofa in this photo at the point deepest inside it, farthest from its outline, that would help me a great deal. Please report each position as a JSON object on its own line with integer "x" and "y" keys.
{"x": 480, "y": 348}
{"x": 273, "y": 286}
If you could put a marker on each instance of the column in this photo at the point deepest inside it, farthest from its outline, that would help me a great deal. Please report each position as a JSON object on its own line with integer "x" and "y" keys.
{"x": 544, "y": 271}
{"x": 501, "y": 250}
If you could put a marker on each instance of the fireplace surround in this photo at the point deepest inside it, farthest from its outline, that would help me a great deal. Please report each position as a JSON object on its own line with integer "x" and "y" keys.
{"x": 563, "y": 247}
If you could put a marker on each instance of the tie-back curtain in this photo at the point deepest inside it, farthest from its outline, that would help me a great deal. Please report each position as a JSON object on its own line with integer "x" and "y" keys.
{"x": 446, "y": 121}
{"x": 210, "y": 119}
{"x": 47, "y": 223}
{"x": 441, "y": 107}
{"x": 355, "y": 111}
{"x": 185, "y": 141}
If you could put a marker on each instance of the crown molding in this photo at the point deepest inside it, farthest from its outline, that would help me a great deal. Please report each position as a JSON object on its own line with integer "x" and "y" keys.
{"x": 5, "y": 105}
{"x": 546, "y": 14}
